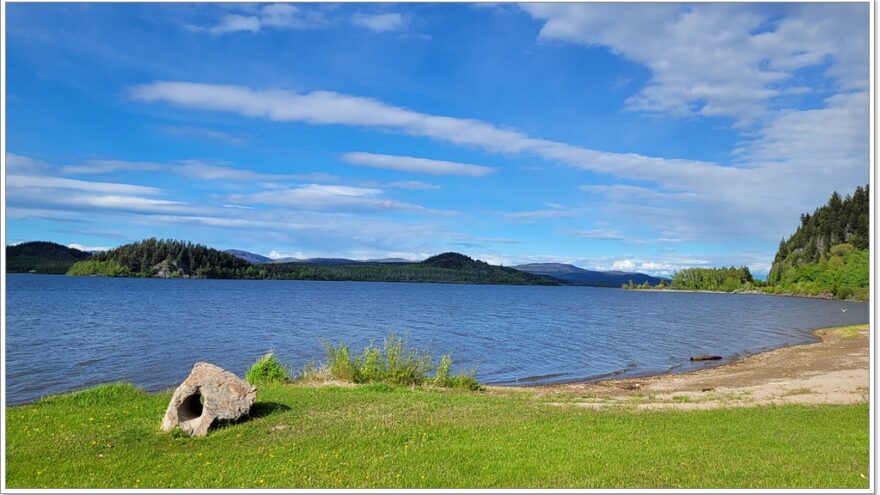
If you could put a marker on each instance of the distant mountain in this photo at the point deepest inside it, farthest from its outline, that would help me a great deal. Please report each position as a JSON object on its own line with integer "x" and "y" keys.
{"x": 42, "y": 257}
{"x": 390, "y": 260}
{"x": 249, "y": 257}
{"x": 578, "y": 276}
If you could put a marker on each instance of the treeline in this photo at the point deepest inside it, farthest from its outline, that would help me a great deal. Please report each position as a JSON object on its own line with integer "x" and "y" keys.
{"x": 162, "y": 258}
{"x": 724, "y": 279}
{"x": 396, "y": 272}
{"x": 828, "y": 253}
{"x": 171, "y": 259}
{"x": 42, "y": 257}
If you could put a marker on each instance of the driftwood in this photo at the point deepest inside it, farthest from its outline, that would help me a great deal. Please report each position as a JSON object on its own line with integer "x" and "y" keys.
{"x": 705, "y": 357}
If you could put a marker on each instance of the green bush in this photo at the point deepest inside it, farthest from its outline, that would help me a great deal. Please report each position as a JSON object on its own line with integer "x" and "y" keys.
{"x": 267, "y": 369}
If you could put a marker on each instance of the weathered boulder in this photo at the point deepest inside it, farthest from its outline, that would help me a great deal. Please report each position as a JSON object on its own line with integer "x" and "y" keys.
{"x": 209, "y": 393}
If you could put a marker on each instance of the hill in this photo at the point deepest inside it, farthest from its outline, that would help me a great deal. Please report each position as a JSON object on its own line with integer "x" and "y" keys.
{"x": 170, "y": 259}
{"x": 164, "y": 259}
{"x": 442, "y": 268}
{"x": 828, "y": 253}
{"x": 248, "y": 256}
{"x": 42, "y": 257}
{"x": 578, "y": 276}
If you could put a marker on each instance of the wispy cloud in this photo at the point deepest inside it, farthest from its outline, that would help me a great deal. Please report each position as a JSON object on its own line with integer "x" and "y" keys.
{"x": 45, "y": 182}
{"x": 195, "y": 169}
{"x": 416, "y": 165}
{"x": 268, "y": 16}
{"x": 327, "y": 197}
{"x": 534, "y": 215}
{"x": 413, "y": 185}
{"x": 202, "y": 133}
{"x": 746, "y": 192}
{"x": 23, "y": 165}
{"x": 380, "y": 23}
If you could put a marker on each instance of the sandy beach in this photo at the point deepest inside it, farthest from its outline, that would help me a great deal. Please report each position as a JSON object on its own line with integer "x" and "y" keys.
{"x": 834, "y": 370}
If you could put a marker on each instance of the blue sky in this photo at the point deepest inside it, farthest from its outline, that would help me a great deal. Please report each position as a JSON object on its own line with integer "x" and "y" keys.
{"x": 611, "y": 136}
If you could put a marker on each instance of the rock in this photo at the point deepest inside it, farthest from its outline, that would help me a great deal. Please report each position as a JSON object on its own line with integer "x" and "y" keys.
{"x": 705, "y": 357}
{"x": 209, "y": 393}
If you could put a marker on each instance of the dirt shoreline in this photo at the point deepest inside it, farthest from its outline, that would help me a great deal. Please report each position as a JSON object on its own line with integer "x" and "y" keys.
{"x": 834, "y": 370}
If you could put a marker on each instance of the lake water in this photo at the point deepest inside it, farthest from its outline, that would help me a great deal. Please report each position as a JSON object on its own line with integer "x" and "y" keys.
{"x": 64, "y": 333}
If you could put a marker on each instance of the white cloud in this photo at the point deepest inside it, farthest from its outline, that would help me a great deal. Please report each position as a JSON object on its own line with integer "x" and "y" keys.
{"x": 601, "y": 234}
{"x": 718, "y": 59}
{"x": 327, "y": 197}
{"x": 256, "y": 19}
{"x": 195, "y": 169}
{"x": 45, "y": 182}
{"x": 722, "y": 201}
{"x": 110, "y": 166}
{"x": 413, "y": 185}
{"x": 380, "y": 23}
{"x": 22, "y": 164}
{"x": 88, "y": 248}
{"x": 533, "y": 215}
{"x": 233, "y": 22}
{"x": 416, "y": 165}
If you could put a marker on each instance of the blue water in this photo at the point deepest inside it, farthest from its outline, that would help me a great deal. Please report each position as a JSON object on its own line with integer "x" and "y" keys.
{"x": 64, "y": 333}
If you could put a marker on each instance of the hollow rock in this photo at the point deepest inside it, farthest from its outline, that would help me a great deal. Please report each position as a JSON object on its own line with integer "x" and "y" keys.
{"x": 208, "y": 394}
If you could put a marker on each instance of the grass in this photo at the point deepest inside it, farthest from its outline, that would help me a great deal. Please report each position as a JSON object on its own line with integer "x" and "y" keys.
{"x": 848, "y": 332}
{"x": 382, "y": 435}
{"x": 266, "y": 369}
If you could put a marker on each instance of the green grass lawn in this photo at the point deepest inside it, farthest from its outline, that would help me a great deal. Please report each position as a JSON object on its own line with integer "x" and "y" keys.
{"x": 382, "y": 436}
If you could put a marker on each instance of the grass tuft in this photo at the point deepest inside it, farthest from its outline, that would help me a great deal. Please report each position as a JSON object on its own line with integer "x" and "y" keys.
{"x": 394, "y": 362}
{"x": 267, "y": 369}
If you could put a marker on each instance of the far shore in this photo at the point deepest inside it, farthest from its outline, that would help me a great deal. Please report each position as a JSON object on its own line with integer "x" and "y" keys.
{"x": 826, "y": 296}
{"x": 834, "y": 370}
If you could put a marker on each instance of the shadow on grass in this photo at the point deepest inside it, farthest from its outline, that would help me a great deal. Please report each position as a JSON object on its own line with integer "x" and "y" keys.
{"x": 258, "y": 410}
{"x": 262, "y": 409}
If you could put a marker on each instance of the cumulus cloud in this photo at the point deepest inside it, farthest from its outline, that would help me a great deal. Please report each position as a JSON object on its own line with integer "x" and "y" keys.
{"x": 380, "y": 23}
{"x": 718, "y": 59}
{"x": 416, "y": 165}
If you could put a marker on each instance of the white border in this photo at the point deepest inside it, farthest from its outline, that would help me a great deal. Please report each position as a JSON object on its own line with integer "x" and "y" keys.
{"x": 872, "y": 300}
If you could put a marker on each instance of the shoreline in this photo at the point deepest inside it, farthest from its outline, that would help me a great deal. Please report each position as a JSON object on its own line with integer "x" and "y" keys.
{"x": 825, "y": 297}
{"x": 834, "y": 370}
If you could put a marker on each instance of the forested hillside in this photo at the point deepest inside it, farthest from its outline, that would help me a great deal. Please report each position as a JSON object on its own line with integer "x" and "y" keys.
{"x": 828, "y": 253}
{"x": 42, "y": 257}
{"x": 169, "y": 258}
{"x": 163, "y": 258}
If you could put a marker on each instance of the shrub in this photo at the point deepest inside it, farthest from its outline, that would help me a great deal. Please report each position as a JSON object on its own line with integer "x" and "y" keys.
{"x": 266, "y": 369}
{"x": 393, "y": 363}
{"x": 339, "y": 362}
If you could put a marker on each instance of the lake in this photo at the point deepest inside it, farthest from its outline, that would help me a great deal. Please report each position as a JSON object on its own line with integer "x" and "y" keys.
{"x": 65, "y": 333}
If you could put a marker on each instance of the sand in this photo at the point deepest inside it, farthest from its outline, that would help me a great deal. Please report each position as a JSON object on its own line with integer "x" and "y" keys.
{"x": 832, "y": 371}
